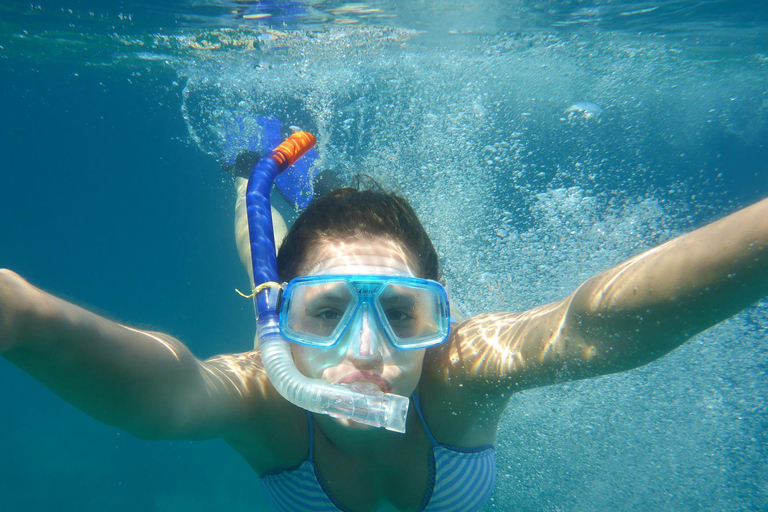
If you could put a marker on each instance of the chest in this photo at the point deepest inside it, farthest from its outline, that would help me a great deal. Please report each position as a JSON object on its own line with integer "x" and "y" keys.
{"x": 342, "y": 474}
{"x": 457, "y": 482}
{"x": 398, "y": 480}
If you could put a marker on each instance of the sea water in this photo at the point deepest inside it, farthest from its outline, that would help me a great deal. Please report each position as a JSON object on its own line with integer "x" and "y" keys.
{"x": 540, "y": 142}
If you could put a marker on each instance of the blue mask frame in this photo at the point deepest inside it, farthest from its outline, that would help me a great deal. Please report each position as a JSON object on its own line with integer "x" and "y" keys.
{"x": 356, "y": 294}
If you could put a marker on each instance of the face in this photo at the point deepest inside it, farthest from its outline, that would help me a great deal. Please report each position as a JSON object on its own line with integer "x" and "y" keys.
{"x": 363, "y": 355}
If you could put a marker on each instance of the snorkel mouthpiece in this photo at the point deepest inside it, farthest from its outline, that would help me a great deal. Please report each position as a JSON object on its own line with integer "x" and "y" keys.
{"x": 360, "y": 404}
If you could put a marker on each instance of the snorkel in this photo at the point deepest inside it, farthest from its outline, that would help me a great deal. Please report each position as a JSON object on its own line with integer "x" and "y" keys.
{"x": 360, "y": 404}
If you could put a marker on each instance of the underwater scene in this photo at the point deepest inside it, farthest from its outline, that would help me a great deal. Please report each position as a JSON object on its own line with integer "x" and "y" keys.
{"x": 540, "y": 142}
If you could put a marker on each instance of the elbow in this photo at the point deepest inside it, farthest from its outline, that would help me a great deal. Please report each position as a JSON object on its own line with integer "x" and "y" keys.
{"x": 619, "y": 353}
{"x": 153, "y": 430}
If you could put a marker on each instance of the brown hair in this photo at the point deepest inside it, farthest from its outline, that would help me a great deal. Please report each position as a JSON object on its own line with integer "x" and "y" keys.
{"x": 350, "y": 213}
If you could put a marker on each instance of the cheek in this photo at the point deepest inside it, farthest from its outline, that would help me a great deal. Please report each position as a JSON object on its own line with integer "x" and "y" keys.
{"x": 408, "y": 360}
{"x": 408, "y": 366}
{"x": 312, "y": 361}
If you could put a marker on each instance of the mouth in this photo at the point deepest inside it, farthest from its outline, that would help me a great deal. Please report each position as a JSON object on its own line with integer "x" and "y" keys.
{"x": 366, "y": 377}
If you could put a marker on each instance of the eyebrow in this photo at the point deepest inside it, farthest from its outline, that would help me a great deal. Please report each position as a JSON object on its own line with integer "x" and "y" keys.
{"x": 334, "y": 293}
{"x": 400, "y": 296}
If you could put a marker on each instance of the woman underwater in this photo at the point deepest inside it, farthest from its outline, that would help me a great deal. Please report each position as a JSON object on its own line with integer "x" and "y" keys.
{"x": 364, "y": 311}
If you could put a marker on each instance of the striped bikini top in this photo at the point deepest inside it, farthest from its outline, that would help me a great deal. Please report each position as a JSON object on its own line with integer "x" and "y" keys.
{"x": 460, "y": 480}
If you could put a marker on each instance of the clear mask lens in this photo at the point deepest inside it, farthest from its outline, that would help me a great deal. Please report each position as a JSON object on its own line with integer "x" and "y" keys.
{"x": 412, "y": 312}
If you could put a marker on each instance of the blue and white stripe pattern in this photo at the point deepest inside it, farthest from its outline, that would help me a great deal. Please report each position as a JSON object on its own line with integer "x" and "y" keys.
{"x": 463, "y": 477}
{"x": 463, "y": 480}
{"x": 460, "y": 480}
{"x": 298, "y": 490}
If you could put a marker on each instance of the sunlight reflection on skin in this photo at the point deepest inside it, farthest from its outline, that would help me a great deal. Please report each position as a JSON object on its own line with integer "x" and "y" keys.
{"x": 338, "y": 252}
{"x": 549, "y": 343}
{"x": 520, "y": 349}
{"x": 243, "y": 372}
{"x": 157, "y": 338}
{"x": 606, "y": 295}
{"x": 537, "y": 345}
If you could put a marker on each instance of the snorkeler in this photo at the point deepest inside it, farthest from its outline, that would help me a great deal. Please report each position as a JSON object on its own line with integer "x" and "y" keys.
{"x": 367, "y": 324}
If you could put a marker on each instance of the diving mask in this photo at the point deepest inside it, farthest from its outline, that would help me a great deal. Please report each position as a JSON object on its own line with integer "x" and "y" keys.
{"x": 317, "y": 310}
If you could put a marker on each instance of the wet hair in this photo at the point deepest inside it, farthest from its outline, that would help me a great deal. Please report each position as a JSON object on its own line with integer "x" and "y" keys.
{"x": 347, "y": 213}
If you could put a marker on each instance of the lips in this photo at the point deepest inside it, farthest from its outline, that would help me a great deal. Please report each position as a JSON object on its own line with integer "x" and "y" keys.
{"x": 362, "y": 376}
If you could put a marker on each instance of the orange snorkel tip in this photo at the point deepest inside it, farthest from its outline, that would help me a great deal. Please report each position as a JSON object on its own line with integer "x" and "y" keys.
{"x": 292, "y": 148}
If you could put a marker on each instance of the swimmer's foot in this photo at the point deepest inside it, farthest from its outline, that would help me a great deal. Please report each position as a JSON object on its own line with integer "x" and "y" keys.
{"x": 299, "y": 184}
{"x": 324, "y": 181}
{"x": 243, "y": 164}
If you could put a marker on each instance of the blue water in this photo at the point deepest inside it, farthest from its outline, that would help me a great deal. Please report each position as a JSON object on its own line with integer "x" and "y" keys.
{"x": 111, "y": 119}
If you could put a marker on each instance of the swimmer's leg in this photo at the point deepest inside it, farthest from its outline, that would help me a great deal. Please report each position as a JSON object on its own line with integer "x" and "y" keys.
{"x": 241, "y": 227}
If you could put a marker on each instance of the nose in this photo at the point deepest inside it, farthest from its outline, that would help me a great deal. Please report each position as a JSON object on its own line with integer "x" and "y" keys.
{"x": 366, "y": 336}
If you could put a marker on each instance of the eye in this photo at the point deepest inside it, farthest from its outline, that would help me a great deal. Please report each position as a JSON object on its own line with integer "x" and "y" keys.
{"x": 398, "y": 315}
{"x": 328, "y": 314}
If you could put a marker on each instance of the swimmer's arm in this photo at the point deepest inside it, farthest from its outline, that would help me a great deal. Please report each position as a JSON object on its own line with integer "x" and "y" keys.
{"x": 146, "y": 383}
{"x": 651, "y": 304}
{"x": 620, "y": 319}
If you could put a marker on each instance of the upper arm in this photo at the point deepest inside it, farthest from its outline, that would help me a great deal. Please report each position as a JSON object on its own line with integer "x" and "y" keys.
{"x": 491, "y": 356}
{"x": 146, "y": 383}
{"x": 652, "y": 303}
{"x": 229, "y": 391}
{"x": 516, "y": 351}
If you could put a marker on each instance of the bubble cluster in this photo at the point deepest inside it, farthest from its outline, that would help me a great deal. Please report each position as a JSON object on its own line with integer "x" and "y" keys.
{"x": 524, "y": 204}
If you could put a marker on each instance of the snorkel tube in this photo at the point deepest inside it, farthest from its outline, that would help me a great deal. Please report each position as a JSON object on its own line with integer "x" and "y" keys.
{"x": 363, "y": 405}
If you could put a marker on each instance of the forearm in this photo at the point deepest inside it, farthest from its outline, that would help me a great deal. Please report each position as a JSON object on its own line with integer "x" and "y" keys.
{"x": 120, "y": 376}
{"x": 655, "y": 301}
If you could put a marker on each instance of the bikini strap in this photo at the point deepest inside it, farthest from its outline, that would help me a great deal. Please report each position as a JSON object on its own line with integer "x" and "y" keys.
{"x": 417, "y": 405}
{"x": 311, "y": 437}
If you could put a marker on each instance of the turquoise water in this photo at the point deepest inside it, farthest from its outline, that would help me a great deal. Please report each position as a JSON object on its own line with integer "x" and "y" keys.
{"x": 112, "y": 197}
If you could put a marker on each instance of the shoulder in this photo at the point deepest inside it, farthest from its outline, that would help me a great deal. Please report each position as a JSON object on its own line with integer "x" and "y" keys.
{"x": 267, "y": 430}
{"x": 467, "y": 382}
{"x": 282, "y": 446}
{"x": 452, "y": 391}
{"x": 487, "y": 347}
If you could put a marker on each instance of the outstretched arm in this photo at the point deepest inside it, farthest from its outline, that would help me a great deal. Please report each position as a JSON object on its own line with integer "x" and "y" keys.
{"x": 622, "y": 318}
{"x": 143, "y": 382}
{"x": 654, "y": 302}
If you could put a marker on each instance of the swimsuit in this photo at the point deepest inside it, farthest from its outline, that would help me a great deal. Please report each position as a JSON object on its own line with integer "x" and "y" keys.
{"x": 460, "y": 480}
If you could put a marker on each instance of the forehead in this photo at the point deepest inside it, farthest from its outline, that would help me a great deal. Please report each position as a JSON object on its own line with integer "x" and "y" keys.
{"x": 374, "y": 256}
